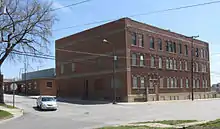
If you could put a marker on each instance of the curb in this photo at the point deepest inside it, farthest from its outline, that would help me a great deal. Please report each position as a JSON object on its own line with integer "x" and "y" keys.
{"x": 13, "y": 117}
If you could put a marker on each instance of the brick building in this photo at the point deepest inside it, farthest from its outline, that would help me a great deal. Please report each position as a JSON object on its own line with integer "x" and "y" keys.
{"x": 152, "y": 63}
{"x": 40, "y": 82}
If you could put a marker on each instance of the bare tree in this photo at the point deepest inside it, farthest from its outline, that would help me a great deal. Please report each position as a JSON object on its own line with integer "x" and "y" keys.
{"x": 25, "y": 27}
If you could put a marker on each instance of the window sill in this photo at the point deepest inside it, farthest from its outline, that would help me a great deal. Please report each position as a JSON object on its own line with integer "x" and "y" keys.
{"x": 141, "y": 47}
{"x": 142, "y": 87}
{"x": 134, "y": 88}
{"x": 153, "y": 49}
{"x": 153, "y": 67}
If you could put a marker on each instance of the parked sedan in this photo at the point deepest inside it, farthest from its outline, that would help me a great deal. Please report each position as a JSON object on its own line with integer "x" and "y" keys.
{"x": 46, "y": 103}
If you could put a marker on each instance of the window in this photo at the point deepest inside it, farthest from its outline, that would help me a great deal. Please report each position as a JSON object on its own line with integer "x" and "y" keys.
{"x": 49, "y": 84}
{"x": 203, "y": 83}
{"x": 142, "y": 79}
{"x": 197, "y": 83}
{"x": 180, "y": 48}
{"x": 175, "y": 82}
{"x": 73, "y": 67}
{"x": 134, "y": 39}
{"x": 141, "y": 40}
{"x": 167, "y": 46}
{"x": 134, "y": 59}
{"x": 152, "y": 42}
{"x": 161, "y": 82}
{"x": 187, "y": 83}
{"x": 170, "y": 46}
{"x": 186, "y": 65}
{"x": 174, "y": 64}
{"x": 160, "y": 63}
{"x": 141, "y": 60}
{"x": 206, "y": 83}
{"x": 197, "y": 52}
{"x": 167, "y": 64}
{"x": 197, "y": 67}
{"x": 181, "y": 83}
{"x": 186, "y": 50}
{"x": 171, "y": 82}
{"x": 174, "y": 47}
{"x": 168, "y": 82}
{"x": 62, "y": 68}
{"x": 194, "y": 83}
{"x": 152, "y": 62}
{"x": 135, "y": 82}
{"x": 180, "y": 65}
{"x": 160, "y": 45}
{"x": 201, "y": 53}
{"x": 171, "y": 64}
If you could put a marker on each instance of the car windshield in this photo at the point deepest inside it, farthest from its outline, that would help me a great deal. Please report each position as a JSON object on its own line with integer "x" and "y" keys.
{"x": 48, "y": 99}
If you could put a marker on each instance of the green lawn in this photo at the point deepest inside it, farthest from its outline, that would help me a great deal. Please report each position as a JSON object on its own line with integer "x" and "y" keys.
{"x": 210, "y": 125}
{"x": 7, "y": 106}
{"x": 5, "y": 115}
{"x": 131, "y": 127}
{"x": 170, "y": 122}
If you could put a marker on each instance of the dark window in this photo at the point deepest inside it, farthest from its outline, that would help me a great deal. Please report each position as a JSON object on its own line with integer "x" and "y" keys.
{"x": 170, "y": 47}
{"x": 152, "y": 42}
{"x": 48, "y": 99}
{"x": 197, "y": 52}
{"x": 49, "y": 84}
{"x": 160, "y": 45}
{"x": 174, "y": 47}
{"x": 167, "y": 46}
{"x": 186, "y": 50}
{"x": 134, "y": 39}
{"x": 141, "y": 40}
{"x": 180, "y": 48}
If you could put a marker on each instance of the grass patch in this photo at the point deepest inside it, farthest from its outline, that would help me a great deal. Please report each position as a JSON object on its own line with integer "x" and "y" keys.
{"x": 132, "y": 127}
{"x": 7, "y": 106}
{"x": 5, "y": 115}
{"x": 170, "y": 122}
{"x": 210, "y": 125}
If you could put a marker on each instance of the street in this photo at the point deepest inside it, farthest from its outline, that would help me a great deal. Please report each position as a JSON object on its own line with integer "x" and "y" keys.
{"x": 89, "y": 116}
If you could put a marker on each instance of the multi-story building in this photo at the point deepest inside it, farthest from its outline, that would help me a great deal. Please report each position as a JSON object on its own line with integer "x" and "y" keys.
{"x": 152, "y": 63}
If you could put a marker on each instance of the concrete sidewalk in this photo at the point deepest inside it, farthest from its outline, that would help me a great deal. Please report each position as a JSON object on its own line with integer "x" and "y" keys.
{"x": 15, "y": 112}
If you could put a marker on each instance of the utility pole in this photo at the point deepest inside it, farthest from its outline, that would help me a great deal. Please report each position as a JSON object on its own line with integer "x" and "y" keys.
{"x": 25, "y": 75}
{"x": 192, "y": 61}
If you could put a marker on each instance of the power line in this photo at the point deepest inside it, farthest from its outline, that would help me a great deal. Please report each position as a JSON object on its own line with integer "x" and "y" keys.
{"x": 141, "y": 14}
{"x": 70, "y": 5}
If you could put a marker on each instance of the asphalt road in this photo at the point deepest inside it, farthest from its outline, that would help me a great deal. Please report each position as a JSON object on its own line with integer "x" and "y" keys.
{"x": 89, "y": 116}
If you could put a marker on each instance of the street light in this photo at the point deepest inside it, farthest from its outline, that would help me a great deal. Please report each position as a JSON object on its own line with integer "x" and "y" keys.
{"x": 114, "y": 66}
{"x": 192, "y": 54}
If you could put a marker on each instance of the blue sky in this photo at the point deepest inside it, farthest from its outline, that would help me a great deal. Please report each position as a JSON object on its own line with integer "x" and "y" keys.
{"x": 203, "y": 21}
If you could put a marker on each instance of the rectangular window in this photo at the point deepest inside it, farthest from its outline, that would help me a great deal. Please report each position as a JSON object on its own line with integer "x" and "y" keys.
{"x": 171, "y": 82}
{"x": 180, "y": 48}
{"x": 201, "y": 53}
{"x": 203, "y": 83}
{"x": 142, "y": 79}
{"x": 197, "y": 83}
{"x": 206, "y": 83}
{"x": 167, "y": 46}
{"x": 135, "y": 82}
{"x": 134, "y": 59}
{"x": 160, "y": 63}
{"x": 197, "y": 67}
{"x": 175, "y": 82}
{"x": 73, "y": 67}
{"x": 152, "y": 62}
{"x": 186, "y": 65}
{"x": 49, "y": 84}
{"x": 186, "y": 50}
{"x": 168, "y": 82}
{"x": 174, "y": 47}
{"x": 134, "y": 39}
{"x": 141, "y": 40}
{"x": 197, "y": 52}
{"x": 187, "y": 83}
{"x": 161, "y": 82}
{"x": 170, "y": 46}
{"x": 152, "y": 42}
{"x": 171, "y": 64}
{"x": 141, "y": 60}
{"x": 174, "y": 64}
{"x": 167, "y": 64}
{"x": 194, "y": 83}
{"x": 160, "y": 45}
{"x": 181, "y": 83}
{"x": 181, "y": 65}
{"x": 62, "y": 68}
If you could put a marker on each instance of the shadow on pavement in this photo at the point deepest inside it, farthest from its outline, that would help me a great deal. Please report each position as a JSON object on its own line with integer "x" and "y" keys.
{"x": 82, "y": 102}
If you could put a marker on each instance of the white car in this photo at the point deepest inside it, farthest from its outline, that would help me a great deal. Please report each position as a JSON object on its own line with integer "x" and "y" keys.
{"x": 47, "y": 103}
